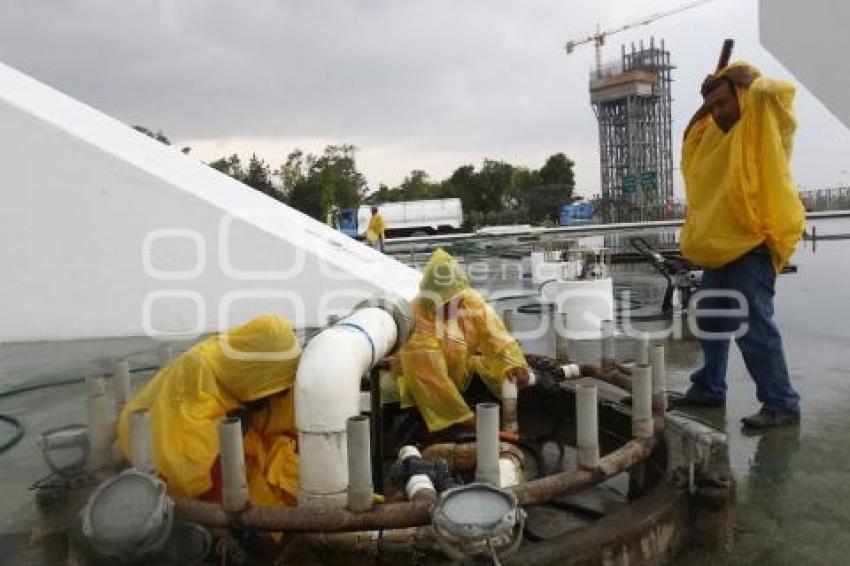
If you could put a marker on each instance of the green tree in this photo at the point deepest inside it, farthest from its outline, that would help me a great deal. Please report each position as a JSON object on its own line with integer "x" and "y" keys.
{"x": 231, "y": 166}
{"x": 258, "y": 176}
{"x": 548, "y": 189}
{"x": 332, "y": 179}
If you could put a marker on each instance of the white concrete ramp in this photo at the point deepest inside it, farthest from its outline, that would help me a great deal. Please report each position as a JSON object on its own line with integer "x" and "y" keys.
{"x": 108, "y": 233}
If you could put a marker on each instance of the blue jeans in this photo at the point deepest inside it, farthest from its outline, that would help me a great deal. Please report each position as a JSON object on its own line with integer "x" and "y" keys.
{"x": 753, "y": 276}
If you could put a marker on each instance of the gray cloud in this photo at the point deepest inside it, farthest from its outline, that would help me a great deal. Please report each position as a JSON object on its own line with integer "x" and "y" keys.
{"x": 485, "y": 78}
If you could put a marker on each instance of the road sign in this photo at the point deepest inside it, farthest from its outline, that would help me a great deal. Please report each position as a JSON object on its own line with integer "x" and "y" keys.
{"x": 629, "y": 184}
{"x": 648, "y": 180}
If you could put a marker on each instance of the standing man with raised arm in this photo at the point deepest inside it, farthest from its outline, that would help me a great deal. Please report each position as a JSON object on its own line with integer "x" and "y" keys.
{"x": 743, "y": 222}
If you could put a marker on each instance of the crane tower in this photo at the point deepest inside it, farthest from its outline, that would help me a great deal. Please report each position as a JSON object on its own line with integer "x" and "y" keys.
{"x": 631, "y": 99}
{"x": 632, "y": 102}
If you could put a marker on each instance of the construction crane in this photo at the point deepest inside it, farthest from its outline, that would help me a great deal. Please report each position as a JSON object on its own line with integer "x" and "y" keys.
{"x": 598, "y": 38}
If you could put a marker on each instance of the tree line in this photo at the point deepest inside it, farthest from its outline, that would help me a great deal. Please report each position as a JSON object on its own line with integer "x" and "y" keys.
{"x": 497, "y": 192}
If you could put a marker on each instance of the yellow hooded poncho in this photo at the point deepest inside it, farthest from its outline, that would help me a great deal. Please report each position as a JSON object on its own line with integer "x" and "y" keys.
{"x": 738, "y": 184}
{"x": 446, "y": 348}
{"x": 188, "y": 398}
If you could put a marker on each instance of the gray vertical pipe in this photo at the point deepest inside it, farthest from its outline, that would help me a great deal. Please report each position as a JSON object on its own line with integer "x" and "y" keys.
{"x": 659, "y": 379}
{"x": 100, "y": 437}
{"x": 609, "y": 347}
{"x": 121, "y": 381}
{"x": 487, "y": 443}
{"x": 642, "y": 402}
{"x": 377, "y": 412}
{"x": 141, "y": 442}
{"x": 234, "y": 483}
{"x": 166, "y": 354}
{"x": 559, "y": 324}
{"x": 360, "y": 487}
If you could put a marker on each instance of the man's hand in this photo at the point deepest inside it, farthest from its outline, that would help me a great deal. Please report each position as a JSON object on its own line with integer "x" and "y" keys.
{"x": 742, "y": 76}
{"x": 520, "y": 376}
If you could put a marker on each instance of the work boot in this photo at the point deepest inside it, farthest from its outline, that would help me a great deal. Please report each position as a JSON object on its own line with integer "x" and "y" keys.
{"x": 691, "y": 399}
{"x": 770, "y": 418}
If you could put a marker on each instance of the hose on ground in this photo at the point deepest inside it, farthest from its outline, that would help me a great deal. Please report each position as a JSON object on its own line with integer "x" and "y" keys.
{"x": 20, "y": 430}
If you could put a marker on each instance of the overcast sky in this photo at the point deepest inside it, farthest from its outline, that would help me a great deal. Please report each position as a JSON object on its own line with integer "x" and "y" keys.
{"x": 415, "y": 85}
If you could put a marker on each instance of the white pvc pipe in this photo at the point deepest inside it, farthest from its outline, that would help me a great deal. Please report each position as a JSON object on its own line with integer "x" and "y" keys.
{"x": 327, "y": 392}
{"x": 360, "y": 487}
{"x": 659, "y": 379}
{"x": 99, "y": 425}
{"x": 141, "y": 442}
{"x": 587, "y": 427}
{"x": 234, "y": 484}
{"x": 642, "y": 354}
{"x": 487, "y": 443}
{"x": 510, "y": 398}
{"x": 642, "y": 402}
{"x": 559, "y": 325}
{"x": 609, "y": 347}
{"x": 121, "y": 382}
{"x": 166, "y": 354}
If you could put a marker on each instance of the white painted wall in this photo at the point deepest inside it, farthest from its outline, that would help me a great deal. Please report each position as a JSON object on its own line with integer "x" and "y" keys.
{"x": 82, "y": 197}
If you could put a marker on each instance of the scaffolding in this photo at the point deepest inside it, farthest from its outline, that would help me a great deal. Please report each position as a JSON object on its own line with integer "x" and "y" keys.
{"x": 632, "y": 100}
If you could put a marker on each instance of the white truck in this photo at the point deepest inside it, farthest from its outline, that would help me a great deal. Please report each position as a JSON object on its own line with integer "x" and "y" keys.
{"x": 407, "y": 218}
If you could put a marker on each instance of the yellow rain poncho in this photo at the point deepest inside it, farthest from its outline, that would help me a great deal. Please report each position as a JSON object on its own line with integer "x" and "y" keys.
{"x": 456, "y": 334}
{"x": 739, "y": 187}
{"x": 187, "y": 399}
{"x": 377, "y": 228}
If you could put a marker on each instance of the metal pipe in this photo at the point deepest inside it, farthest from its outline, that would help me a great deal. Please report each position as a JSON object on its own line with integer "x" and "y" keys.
{"x": 559, "y": 325}
{"x": 359, "y": 464}
{"x": 587, "y": 426}
{"x": 99, "y": 427}
{"x": 141, "y": 442}
{"x": 121, "y": 382}
{"x": 166, "y": 354}
{"x": 408, "y": 514}
{"x": 487, "y": 443}
{"x": 613, "y": 376}
{"x": 659, "y": 379}
{"x": 642, "y": 402}
{"x": 377, "y": 430}
{"x": 609, "y": 345}
{"x": 460, "y": 458}
{"x": 574, "y": 481}
{"x": 234, "y": 490}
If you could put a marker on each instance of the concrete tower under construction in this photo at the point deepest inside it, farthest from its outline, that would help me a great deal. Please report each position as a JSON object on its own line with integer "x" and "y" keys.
{"x": 631, "y": 99}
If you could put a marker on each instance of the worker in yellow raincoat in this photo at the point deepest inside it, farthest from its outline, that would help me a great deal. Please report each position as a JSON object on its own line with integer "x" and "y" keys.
{"x": 376, "y": 232}
{"x": 456, "y": 335}
{"x": 250, "y": 370}
{"x": 743, "y": 222}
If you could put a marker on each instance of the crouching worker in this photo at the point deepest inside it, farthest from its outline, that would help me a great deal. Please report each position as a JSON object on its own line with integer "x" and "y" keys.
{"x": 248, "y": 371}
{"x": 456, "y": 335}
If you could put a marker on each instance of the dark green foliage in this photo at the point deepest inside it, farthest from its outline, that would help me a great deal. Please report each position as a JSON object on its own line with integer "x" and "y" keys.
{"x": 497, "y": 193}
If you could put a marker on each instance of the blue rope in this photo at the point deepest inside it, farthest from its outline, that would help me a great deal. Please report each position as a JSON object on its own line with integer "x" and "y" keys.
{"x": 366, "y": 334}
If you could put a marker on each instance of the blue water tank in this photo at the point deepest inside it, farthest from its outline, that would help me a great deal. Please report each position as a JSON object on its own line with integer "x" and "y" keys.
{"x": 348, "y": 221}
